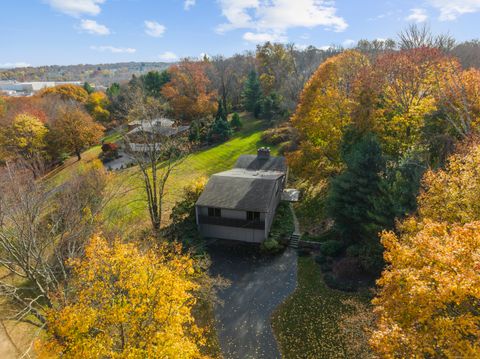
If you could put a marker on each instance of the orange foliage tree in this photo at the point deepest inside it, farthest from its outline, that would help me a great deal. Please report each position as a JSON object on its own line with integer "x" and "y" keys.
{"x": 33, "y": 106}
{"x": 429, "y": 299}
{"x": 188, "y": 92}
{"x": 74, "y": 129}
{"x": 127, "y": 304}
{"x": 391, "y": 96}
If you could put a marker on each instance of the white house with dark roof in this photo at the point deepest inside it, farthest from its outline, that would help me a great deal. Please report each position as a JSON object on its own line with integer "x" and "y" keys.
{"x": 143, "y": 135}
{"x": 240, "y": 204}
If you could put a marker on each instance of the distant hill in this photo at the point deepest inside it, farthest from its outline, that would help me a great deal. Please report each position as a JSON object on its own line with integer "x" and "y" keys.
{"x": 102, "y": 74}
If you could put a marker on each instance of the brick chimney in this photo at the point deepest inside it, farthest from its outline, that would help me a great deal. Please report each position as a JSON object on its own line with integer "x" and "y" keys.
{"x": 263, "y": 153}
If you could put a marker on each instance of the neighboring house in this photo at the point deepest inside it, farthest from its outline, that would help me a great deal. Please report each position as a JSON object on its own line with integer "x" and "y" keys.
{"x": 240, "y": 204}
{"x": 150, "y": 125}
{"x": 143, "y": 135}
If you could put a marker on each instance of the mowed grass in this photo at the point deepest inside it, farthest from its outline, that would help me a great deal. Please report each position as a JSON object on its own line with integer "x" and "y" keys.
{"x": 306, "y": 325}
{"x": 127, "y": 211}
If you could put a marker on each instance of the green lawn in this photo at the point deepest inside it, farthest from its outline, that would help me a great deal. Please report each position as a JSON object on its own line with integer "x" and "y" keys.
{"x": 306, "y": 324}
{"x": 130, "y": 208}
{"x": 127, "y": 212}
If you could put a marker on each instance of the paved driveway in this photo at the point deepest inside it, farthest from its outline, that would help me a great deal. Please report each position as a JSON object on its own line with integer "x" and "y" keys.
{"x": 258, "y": 285}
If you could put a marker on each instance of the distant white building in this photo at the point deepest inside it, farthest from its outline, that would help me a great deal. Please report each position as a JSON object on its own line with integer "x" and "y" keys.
{"x": 14, "y": 88}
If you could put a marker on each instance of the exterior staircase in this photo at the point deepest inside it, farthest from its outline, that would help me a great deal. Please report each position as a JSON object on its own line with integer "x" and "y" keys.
{"x": 295, "y": 236}
{"x": 294, "y": 239}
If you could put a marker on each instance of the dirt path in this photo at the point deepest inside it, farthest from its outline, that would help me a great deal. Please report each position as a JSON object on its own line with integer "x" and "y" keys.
{"x": 258, "y": 285}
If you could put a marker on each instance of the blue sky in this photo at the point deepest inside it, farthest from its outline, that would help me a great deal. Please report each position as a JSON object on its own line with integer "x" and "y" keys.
{"x": 47, "y": 32}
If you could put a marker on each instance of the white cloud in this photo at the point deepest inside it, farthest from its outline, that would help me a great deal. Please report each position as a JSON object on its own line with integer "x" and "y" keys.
{"x": 113, "y": 49}
{"x": 77, "y": 7}
{"x": 349, "y": 43}
{"x": 263, "y": 37}
{"x": 12, "y": 65}
{"x": 93, "y": 27}
{"x": 168, "y": 56}
{"x": 275, "y": 17}
{"x": 452, "y": 9}
{"x": 188, "y": 4}
{"x": 153, "y": 28}
{"x": 417, "y": 15}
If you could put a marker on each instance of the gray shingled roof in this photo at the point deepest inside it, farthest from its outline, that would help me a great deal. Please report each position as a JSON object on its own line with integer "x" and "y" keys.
{"x": 253, "y": 163}
{"x": 241, "y": 190}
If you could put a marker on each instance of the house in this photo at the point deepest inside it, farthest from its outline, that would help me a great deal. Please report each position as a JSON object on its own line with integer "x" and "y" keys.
{"x": 150, "y": 125}
{"x": 143, "y": 135}
{"x": 240, "y": 204}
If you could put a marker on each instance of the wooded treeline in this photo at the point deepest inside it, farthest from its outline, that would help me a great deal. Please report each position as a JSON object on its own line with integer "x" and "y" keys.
{"x": 388, "y": 131}
{"x": 392, "y": 138}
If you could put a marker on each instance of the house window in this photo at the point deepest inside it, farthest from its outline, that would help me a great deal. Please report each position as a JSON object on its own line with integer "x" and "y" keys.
{"x": 214, "y": 212}
{"x": 253, "y": 216}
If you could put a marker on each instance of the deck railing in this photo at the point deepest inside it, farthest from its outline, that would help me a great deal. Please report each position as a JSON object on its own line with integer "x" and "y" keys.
{"x": 231, "y": 222}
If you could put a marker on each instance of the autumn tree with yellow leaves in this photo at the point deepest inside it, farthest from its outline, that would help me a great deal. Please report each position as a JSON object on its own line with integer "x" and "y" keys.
{"x": 392, "y": 95}
{"x": 429, "y": 300}
{"x": 323, "y": 113}
{"x": 127, "y": 303}
{"x": 24, "y": 139}
{"x": 97, "y": 105}
{"x": 66, "y": 92}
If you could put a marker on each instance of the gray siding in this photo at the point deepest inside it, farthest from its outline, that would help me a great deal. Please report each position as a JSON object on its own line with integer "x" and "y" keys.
{"x": 237, "y": 233}
{"x": 233, "y": 233}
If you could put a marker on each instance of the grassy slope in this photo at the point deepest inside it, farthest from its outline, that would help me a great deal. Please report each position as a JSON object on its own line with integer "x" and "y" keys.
{"x": 306, "y": 324}
{"x": 128, "y": 211}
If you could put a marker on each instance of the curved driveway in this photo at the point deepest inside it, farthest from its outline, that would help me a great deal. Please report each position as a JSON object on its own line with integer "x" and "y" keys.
{"x": 259, "y": 283}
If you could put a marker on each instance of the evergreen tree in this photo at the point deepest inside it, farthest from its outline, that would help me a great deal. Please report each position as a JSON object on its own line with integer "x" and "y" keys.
{"x": 252, "y": 94}
{"x": 220, "y": 130}
{"x": 113, "y": 90}
{"x": 270, "y": 107}
{"x": 154, "y": 81}
{"x": 352, "y": 196}
{"x": 194, "y": 133}
{"x": 236, "y": 123}
{"x": 87, "y": 87}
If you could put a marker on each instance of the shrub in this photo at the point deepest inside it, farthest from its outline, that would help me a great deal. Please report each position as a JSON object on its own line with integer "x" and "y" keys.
{"x": 330, "y": 235}
{"x": 331, "y": 248}
{"x": 109, "y": 147}
{"x": 326, "y": 266}
{"x": 286, "y": 147}
{"x": 63, "y": 157}
{"x": 270, "y": 246}
{"x": 353, "y": 250}
{"x": 334, "y": 283}
{"x": 283, "y": 225}
{"x": 236, "y": 123}
{"x": 278, "y": 135}
{"x": 303, "y": 252}
{"x": 320, "y": 259}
